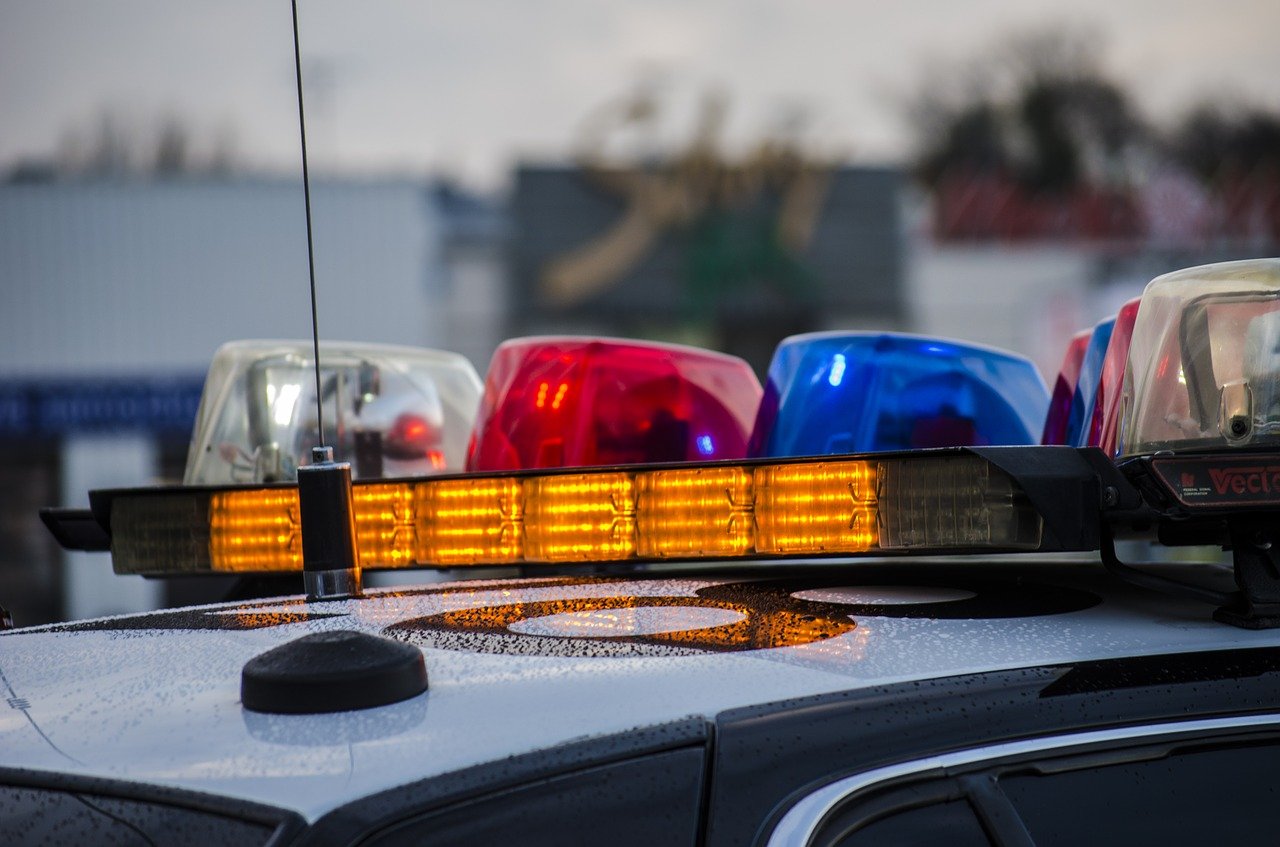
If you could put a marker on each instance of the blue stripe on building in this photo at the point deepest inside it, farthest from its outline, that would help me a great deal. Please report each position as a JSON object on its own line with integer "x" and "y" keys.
{"x": 50, "y": 408}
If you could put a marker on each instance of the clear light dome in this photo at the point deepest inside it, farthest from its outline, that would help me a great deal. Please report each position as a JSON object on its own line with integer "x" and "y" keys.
{"x": 389, "y": 411}
{"x": 1204, "y": 362}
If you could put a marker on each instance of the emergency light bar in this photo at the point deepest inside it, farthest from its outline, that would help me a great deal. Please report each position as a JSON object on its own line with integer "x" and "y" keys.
{"x": 935, "y": 501}
{"x": 1183, "y": 386}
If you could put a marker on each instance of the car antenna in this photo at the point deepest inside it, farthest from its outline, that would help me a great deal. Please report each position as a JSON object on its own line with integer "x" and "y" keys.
{"x": 330, "y": 557}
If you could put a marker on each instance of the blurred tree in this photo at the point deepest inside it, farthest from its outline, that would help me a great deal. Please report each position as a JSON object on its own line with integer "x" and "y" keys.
{"x": 970, "y": 139}
{"x": 1034, "y": 140}
{"x": 1039, "y": 109}
{"x": 112, "y": 145}
{"x": 122, "y": 142}
{"x": 1080, "y": 129}
{"x": 224, "y": 156}
{"x": 1216, "y": 140}
{"x": 173, "y": 149}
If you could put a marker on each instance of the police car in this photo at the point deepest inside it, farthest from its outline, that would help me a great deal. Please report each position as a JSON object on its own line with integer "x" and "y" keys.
{"x": 861, "y": 605}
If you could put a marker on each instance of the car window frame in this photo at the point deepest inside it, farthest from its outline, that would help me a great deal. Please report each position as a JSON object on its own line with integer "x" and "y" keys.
{"x": 805, "y": 818}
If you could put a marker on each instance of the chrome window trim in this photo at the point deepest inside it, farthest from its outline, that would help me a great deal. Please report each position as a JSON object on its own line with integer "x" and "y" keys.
{"x": 801, "y": 821}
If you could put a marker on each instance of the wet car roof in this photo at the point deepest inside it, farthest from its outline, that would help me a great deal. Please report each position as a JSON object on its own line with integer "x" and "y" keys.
{"x": 517, "y": 666}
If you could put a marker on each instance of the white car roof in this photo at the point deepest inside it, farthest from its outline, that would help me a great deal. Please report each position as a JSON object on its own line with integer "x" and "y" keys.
{"x": 517, "y": 666}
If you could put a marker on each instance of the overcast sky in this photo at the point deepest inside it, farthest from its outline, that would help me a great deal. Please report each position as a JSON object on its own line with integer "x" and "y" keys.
{"x": 469, "y": 87}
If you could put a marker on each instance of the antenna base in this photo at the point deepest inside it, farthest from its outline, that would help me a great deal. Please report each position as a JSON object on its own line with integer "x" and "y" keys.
{"x": 332, "y": 585}
{"x": 330, "y": 558}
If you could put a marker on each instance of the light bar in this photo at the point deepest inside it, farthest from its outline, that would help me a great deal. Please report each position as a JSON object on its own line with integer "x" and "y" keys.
{"x": 945, "y": 501}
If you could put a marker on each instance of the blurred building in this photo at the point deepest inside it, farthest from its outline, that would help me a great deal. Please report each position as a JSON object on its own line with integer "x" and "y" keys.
{"x": 117, "y": 293}
{"x": 995, "y": 263}
{"x": 731, "y": 256}
{"x": 474, "y": 282}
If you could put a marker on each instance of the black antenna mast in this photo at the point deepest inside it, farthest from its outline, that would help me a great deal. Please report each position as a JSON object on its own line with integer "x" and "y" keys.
{"x": 306, "y": 196}
{"x": 330, "y": 557}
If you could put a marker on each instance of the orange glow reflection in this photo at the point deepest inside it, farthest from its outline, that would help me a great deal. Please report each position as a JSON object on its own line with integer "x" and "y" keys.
{"x": 757, "y": 628}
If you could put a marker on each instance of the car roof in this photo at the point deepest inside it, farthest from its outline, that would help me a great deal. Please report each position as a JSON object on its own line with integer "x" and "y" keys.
{"x": 520, "y": 665}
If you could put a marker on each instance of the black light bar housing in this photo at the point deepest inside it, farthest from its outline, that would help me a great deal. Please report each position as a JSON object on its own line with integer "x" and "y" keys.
{"x": 1085, "y": 499}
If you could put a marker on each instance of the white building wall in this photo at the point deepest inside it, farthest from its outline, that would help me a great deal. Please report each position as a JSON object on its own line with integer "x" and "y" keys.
{"x": 145, "y": 277}
{"x": 90, "y": 588}
{"x": 1028, "y": 299}
{"x": 477, "y": 303}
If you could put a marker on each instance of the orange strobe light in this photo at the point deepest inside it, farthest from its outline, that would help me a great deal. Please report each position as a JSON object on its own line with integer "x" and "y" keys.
{"x": 715, "y": 511}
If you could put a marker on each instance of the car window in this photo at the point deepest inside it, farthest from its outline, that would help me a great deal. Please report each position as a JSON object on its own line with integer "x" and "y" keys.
{"x": 932, "y": 813}
{"x": 1191, "y": 791}
{"x": 1227, "y": 795}
{"x": 949, "y": 824}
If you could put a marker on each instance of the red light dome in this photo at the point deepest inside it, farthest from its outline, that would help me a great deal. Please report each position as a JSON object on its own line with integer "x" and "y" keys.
{"x": 568, "y": 402}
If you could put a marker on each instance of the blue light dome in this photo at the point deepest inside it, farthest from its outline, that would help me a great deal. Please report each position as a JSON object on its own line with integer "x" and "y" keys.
{"x": 857, "y": 392}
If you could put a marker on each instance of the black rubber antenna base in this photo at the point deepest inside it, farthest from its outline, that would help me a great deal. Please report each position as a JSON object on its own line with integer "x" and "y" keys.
{"x": 332, "y": 672}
